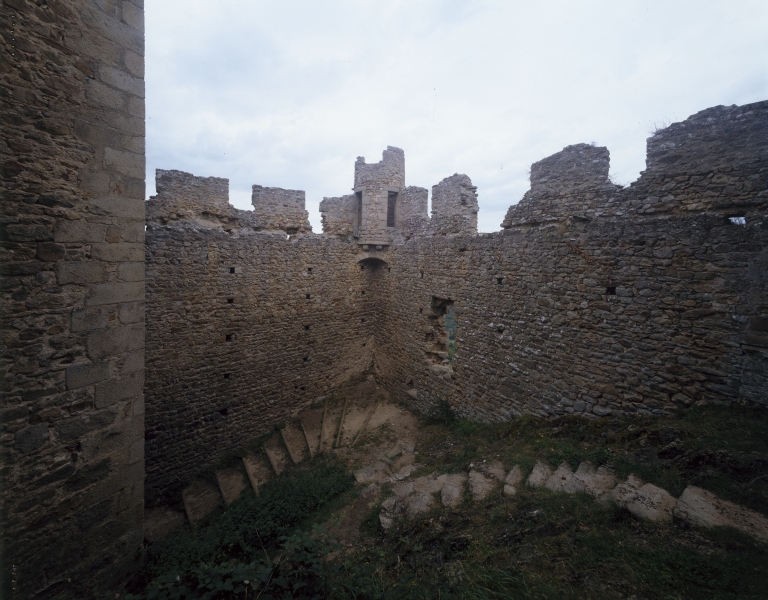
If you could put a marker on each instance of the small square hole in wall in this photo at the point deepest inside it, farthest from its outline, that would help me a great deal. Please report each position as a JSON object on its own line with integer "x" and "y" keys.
{"x": 228, "y": 337}
{"x": 309, "y": 269}
{"x": 306, "y": 327}
{"x": 362, "y": 293}
{"x": 363, "y": 344}
{"x": 610, "y": 291}
{"x": 421, "y": 311}
{"x": 309, "y": 296}
{"x": 227, "y": 375}
{"x": 422, "y": 275}
{"x": 362, "y": 320}
{"x": 389, "y": 269}
{"x": 499, "y": 280}
{"x": 306, "y": 358}
{"x": 230, "y": 300}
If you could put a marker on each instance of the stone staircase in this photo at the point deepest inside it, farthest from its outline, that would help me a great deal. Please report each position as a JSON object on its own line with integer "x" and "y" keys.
{"x": 337, "y": 424}
{"x": 645, "y": 501}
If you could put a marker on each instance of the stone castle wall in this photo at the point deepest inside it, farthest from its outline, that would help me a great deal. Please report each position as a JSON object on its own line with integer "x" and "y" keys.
{"x": 244, "y": 330}
{"x": 72, "y": 296}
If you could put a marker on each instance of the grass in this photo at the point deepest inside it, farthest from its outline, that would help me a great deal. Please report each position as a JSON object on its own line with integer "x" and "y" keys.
{"x": 536, "y": 544}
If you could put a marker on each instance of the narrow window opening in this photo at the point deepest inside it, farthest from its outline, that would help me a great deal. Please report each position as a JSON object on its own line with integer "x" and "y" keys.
{"x": 499, "y": 280}
{"x": 421, "y": 311}
{"x": 422, "y": 275}
{"x": 306, "y": 327}
{"x": 309, "y": 296}
{"x": 309, "y": 269}
{"x": 389, "y": 269}
{"x": 391, "y": 203}
{"x": 227, "y": 375}
{"x": 363, "y": 344}
{"x": 610, "y": 291}
{"x": 362, "y": 320}
{"x": 231, "y": 269}
{"x": 738, "y": 220}
{"x": 362, "y": 293}
{"x": 228, "y": 337}
{"x": 230, "y": 300}
{"x": 362, "y": 267}
{"x": 441, "y": 335}
{"x": 306, "y": 358}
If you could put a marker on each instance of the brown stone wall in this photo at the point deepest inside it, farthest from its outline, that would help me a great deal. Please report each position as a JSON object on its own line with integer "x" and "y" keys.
{"x": 243, "y": 331}
{"x": 454, "y": 206}
{"x": 598, "y": 313}
{"x": 338, "y": 215}
{"x": 279, "y": 209}
{"x": 72, "y": 295}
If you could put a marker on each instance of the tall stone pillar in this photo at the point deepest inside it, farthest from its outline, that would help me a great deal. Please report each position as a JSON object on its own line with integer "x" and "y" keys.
{"x": 72, "y": 295}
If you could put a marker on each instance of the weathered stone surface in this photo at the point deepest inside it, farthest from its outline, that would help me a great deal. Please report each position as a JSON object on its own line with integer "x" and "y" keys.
{"x": 258, "y": 469}
{"x": 703, "y": 509}
{"x": 645, "y": 501}
{"x": 560, "y": 480}
{"x": 512, "y": 480}
{"x": 539, "y": 475}
{"x": 594, "y": 482}
{"x": 452, "y": 491}
{"x": 295, "y": 442}
{"x": 159, "y": 522}
{"x": 312, "y": 426}
{"x": 85, "y": 461}
{"x": 480, "y": 485}
{"x": 200, "y": 500}
{"x": 378, "y": 471}
{"x": 231, "y": 484}
{"x": 429, "y": 484}
{"x": 277, "y": 455}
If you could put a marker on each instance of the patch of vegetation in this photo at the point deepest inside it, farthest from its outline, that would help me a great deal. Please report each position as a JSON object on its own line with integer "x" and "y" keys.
{"x": 536, "y": 544}
{"x": 250, "y": 526}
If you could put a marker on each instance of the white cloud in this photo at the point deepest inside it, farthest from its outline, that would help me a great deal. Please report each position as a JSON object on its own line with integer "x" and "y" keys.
{"x": 289, "y": 93}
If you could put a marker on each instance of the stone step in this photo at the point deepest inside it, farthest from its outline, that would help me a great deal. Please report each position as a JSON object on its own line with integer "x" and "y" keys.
{"x": 231, "y": 484}
{"x": 200, "y": 499}
{"x": 276, "y": 453}
{"x": 358, "y": 414}
{"x": 295, "y": 442}
{"x": 159, "y": 522}
{"x": 258, "y": 470}
{"x": 331, "y": 421}
{"x": 312, "y": 425}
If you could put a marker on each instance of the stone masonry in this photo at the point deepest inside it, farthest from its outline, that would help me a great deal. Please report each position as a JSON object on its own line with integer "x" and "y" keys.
{"x": 594, "y": 299}
{"x": 72, "y": 296}
{"x": 591, "y": 301}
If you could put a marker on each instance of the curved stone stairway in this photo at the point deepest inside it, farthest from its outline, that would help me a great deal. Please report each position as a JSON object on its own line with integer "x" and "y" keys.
{"x": 337, "y": 424}
{"x": 644, "y": 500}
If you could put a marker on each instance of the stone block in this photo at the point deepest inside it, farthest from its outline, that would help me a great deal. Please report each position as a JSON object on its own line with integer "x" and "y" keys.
{"x": 136, "y": 452}
{"x": 78, "y": 231}
{"x": 127, "y": 163}
{"x": 50, "y": 251}
{"x": 512, "y": 480}
{"x": 119, "y": 388}
{"x": 97, "y": 317}
{"x": 31, "y": 438}
{"x": 115, "y": 293}
{"x": 83, "y": 375}
{"x": 539, "y": 475}
{"x": 200, "y": 500}
{"x": 115, "y": 340}
{"x": 702, "y": 508}
{"x": 122, "y": 80}
{"x": 81, "y": 425}
{"x": 132, "y": 312}
{"x": 80, "y": 272}
{"x": 159, "y": 522}
{"x": 231, "y": 484}
{"x": 121, "y": 252}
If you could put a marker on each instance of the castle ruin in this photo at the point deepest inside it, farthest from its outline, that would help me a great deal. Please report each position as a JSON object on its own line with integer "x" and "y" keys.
{"x": 133, "y": 358}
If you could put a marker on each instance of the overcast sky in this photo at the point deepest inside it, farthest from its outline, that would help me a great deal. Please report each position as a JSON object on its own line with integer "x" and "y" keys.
{"x": 288, "y": 94}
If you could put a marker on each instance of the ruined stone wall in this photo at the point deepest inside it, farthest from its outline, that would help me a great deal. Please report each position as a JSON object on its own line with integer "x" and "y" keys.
{"x": 338, "y": 215}
{"x": 243, "y": 331}
{"x": 413, "y": 214}
{"x": 454, "y": 206}
{"x": 597, "y": 314}
{"x": 375, "y": 181}
{"x": 72, "y": 295}
{"x": 279, "y": 209}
